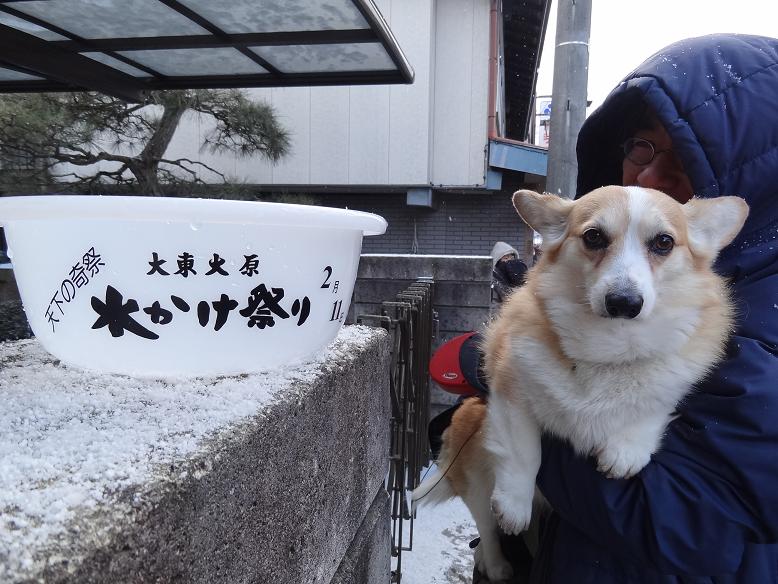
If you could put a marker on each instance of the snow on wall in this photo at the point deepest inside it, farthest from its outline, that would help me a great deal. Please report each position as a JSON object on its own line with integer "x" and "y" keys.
{"x": 70, "y": 441}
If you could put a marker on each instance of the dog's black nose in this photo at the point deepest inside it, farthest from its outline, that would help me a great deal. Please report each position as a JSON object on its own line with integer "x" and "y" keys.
{"x": 623, "y": 305}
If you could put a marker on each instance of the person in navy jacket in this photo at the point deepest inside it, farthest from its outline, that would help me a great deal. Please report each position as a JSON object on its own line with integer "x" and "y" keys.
{"x": 699, "y": 117}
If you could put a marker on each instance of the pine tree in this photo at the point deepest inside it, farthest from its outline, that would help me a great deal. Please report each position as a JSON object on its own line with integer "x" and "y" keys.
{"x": 39, "y": 133}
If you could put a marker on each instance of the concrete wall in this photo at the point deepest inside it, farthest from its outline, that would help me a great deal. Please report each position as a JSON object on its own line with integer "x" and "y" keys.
{"x": 8, "y": 289}
{"x": 290, "y": 491}
{"x": 461, "y": 298}
{"x": 13, "y": 320}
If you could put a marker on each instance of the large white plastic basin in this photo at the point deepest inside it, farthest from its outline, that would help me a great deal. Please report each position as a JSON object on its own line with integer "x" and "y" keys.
{"x": 90, "y": 275}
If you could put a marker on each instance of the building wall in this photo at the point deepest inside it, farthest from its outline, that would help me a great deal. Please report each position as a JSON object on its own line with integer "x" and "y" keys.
{"x": 430, "y": 132}
{"x": 461, "y": 92}
{"x": 459, "y": 225}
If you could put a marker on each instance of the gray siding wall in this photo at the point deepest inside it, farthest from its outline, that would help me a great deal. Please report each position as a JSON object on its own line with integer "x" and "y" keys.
{"x": 433, "y": 131}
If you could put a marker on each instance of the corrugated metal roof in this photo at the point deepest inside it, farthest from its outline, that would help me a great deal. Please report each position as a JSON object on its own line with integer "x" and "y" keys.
{"x": 128, "y": 47}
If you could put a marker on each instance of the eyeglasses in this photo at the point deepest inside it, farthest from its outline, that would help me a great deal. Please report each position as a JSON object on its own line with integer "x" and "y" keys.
{"x": 641, "y": 151}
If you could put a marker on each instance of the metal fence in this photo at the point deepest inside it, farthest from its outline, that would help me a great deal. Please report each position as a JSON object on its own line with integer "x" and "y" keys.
{"x": 409, "y": 319}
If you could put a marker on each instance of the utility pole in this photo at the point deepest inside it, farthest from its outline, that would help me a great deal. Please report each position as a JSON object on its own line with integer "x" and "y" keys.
{"x": 568, "y": 96}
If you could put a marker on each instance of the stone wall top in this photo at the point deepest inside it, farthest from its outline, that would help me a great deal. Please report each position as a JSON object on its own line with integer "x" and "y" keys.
{"x": 104, "y": 474}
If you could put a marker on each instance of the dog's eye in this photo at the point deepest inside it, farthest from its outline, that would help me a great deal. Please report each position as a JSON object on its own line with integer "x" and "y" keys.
{"x": 662, "y": 244}
{"x": 594, "y": 239}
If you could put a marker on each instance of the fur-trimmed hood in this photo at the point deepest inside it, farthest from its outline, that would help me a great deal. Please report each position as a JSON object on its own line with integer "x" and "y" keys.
{"x": 500, "y": 249}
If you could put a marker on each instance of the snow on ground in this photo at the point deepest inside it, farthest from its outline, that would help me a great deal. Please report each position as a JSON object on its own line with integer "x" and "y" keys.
{"x": 440, "y": 554}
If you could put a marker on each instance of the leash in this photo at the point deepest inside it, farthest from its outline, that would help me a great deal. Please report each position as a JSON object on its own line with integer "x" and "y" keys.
{"x": 473, "y": 433}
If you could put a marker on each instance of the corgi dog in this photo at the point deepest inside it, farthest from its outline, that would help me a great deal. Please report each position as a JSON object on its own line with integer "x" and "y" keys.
{"x": 621, "y": 316}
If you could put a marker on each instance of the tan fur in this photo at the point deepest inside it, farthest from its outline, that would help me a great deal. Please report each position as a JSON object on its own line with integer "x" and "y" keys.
{"x": 463, "y": 443}
{"x": 524, "y": 311}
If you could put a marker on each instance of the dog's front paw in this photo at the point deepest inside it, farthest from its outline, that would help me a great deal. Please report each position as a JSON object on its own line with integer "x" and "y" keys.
{"x": 623, "y": 461}
{"x": 493, "y": 564}
{"x": 512, "y": 510}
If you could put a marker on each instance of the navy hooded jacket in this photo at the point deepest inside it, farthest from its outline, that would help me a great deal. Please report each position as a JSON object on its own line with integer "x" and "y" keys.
{"x": 705, "y": 509}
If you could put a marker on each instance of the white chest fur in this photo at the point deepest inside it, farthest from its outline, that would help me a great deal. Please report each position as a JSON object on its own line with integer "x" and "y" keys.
{"x": 589, "y": 403}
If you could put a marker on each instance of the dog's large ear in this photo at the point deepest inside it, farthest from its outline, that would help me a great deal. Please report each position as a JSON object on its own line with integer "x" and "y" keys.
{"x": 546, "y": 214}
{"x": 714, "y": 223}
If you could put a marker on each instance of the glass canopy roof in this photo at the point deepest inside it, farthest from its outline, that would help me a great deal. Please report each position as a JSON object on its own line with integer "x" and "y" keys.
{"x": 128, "y": 47}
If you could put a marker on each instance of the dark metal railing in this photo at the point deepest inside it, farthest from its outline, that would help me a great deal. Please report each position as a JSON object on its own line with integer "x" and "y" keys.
{"x": 409, "y": 319}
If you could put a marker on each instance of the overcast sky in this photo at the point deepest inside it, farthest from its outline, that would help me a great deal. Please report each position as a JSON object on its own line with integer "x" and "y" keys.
{"x": 625, "y": 32}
